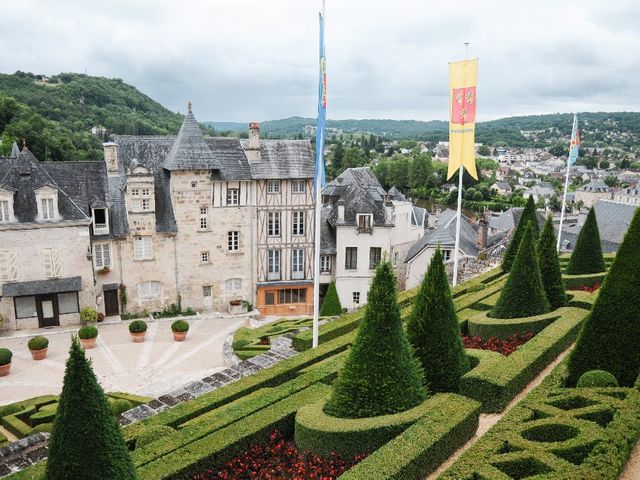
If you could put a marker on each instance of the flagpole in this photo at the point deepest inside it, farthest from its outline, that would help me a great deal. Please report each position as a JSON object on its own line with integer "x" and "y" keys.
{"x": 564, "y": 197}
{"x": 316, "y": 243}
{"x": 459, "y": 212}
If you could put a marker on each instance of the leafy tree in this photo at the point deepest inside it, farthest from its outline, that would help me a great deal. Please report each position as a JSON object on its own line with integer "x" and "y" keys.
{"x": 380, "y": 375}
{"x": 469, "y": 193}
{"x": 421, "y": 172}
{"x": 477, "y": 196}
{"x": 331, "y": 303}
{"x": 609, "y": 338}
{"x": 484, "y": 150}
{"x": 353, "y": 157}
{"x": 434, "y": 332}
{"x": 550, "y": 266}
{"x": 587, "y": 255}
{"x": 523, "y": 295}
{"x": 86, "y": 443}
{"x": 541, "y": 203}
{"x": 337, "y": 155}
{"x": 604, "y": 164}
{"x": 611, "y": 181}
{"x": 554, "y": 203}
{"x": 528, "y": 215}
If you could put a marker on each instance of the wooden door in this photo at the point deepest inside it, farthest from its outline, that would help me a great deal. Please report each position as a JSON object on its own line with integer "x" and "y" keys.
{"x": 47, "y": 307}
{"x": 111, "y": 303}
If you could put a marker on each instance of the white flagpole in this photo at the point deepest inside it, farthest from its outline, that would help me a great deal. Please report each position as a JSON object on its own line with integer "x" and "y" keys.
{"x": 564, "y": 197}
{"x": 459, "y": 213}
{"x": 316, "y": 252}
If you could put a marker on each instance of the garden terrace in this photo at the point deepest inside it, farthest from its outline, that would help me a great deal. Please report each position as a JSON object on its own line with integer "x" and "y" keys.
{"x": 250, "y": 342}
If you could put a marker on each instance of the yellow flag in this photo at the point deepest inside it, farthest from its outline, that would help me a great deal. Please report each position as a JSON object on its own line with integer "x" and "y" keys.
{"x": 463, "y": 77}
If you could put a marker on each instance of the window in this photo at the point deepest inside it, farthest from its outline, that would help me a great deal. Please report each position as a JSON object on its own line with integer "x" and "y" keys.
{"x": 292, "y": 295}
{"x": 135, "y": 192}
{"x": 204, "y": 257}
{"x": 4, "y": 211}
{"x": 233, "y": 285}
{"x": 25, "y": 307}
{"x": 375, "y": 256}
{"x": 297, "y": 263}
{"x": 147, "y": 290}
{"x": 297, "y": 186}
{"x": 52, "y": 262}
{"x": 68, "y": 302}
{"x": 143, "y": 248}
{"x": 325, "y": 263}
{"x": 273, "y": 264}
{"x": 351, "y": 258}
{"x": 396, "y": 257}
{"x": 102, "y": 255}
{"x": 356, "y": 298}
{"x": 270, "y": 298}
{"x": 273, "y": 227}
{"x": 364, "y": 222}
{"x": 145, "y": 192}
{"x": 206, "y": 291}
{"x": 8, "y": 266}
{"x": 100, "y": 222}
{"x": 233, "y": 241}
{"x": 273, "y": 186}
{"x": 298, "y": 222}
{"x": 446, "y": 255}
{"x": 145, "y": 205}
{"x": 233, "y": 196}
{"x": 47, "y": 209}
{"x": 204, "y": 218}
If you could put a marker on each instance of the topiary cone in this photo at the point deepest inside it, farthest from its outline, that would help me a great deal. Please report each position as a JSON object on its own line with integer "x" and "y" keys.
{"x": 331, "y": 303}
{"x": 528, "y": 215}
{"x": 434, "y": 332}
{"x": 523, "y": 294}
{"x": 550, "y": 266}
{"x": 380, "y": 375}
{"x": 587, "y": 256}
{"x": 610, "y": 337}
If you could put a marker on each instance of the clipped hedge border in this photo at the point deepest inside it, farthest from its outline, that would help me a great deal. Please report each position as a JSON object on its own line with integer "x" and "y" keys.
{"x": 420, "y": 449}
{"x": 481, "y": 325}
{"x": 322, "y": 434}
{"x": 494, "y": 385}
{"x": 574, "y": 282}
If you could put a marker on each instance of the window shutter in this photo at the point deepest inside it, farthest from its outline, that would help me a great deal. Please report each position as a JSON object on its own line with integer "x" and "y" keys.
{"x": 137, "y": 248}
{"x": 97, "y": 251}
{"x": 106, "y": 255}
{"x": 48, "y": 262}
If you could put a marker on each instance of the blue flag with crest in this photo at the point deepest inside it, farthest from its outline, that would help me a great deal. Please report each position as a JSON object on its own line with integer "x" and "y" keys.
{"x": 322, "y": 111}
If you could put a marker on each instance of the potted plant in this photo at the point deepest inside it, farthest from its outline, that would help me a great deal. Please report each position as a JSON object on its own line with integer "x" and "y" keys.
{"x": 103, "y": 271}
{"x": 38, "y": 347}
{"x": 88, "y": 315}
{"x": 236, "y": 306}
{"x": 5, "y": 361}
{"x": 137, "y": 329}
{"x": 179, "y": 329}
{"x": 88, "y": 335}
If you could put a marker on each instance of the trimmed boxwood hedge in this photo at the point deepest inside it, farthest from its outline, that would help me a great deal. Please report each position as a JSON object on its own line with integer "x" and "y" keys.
{"x": 448, "y": 424}
{"x": 575, "y": 282}
{"x": 482, "y": 325}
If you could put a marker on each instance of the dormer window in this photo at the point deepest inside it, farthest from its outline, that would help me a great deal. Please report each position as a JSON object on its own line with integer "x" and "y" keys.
{"x": 100, "y": 221}
{"x": 47, "y": 201}
{"x": 5, "y": 215}
{"x": 47, "y": 209}
{"x": 141, "y": 199}
{"x": 6, "y": 206}
{"x": 365, "y": 221}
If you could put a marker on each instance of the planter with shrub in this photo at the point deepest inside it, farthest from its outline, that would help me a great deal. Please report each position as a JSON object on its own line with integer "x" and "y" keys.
{"x": 88, "y": 335}
{"x": 88, "y": 315}
{"x": 5, "y": 361}
{"x": 137, "y": 329}
{"x": 236, "y": 307}
{"x": 38, "y": 347}
{"x": 179, "y": 329}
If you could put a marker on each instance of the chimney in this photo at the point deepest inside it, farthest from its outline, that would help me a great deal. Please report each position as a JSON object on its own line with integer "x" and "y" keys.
{"x": 111, "y": 156}
{"x": 483, "y": 230}
{"x": 341, "y": 210}
{"x": 253, "y": 151}
{"x": 389, "y": 211}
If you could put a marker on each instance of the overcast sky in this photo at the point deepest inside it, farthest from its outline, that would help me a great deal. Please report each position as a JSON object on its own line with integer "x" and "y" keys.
{"x": 242, "y": 60}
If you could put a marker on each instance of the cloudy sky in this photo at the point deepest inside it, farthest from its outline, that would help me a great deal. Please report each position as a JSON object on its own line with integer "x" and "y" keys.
{"x": 241, "y": 60}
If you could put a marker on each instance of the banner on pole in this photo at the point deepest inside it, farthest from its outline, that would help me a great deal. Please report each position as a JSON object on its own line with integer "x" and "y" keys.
{"x": 463, "y": 77}
{"x": 575, "y": 142}
{"x": 322, "y": 112}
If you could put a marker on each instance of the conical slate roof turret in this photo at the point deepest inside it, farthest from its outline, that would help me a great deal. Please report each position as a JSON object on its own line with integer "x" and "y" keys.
{"x": 190, "y": 150}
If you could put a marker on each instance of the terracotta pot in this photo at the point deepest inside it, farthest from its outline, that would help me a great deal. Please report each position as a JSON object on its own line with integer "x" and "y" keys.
{"x": 179, "y": 336}
{"x": 88, "y": 343}
{"x": 4, "y": 370}
{"x": 137, "y": 337}
{"x": 39, "y": 354}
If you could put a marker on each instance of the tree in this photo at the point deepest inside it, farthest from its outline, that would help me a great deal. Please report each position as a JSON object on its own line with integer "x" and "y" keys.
{"x": 604, "y": 164}
{"x": 609, "y": 338}
{"x": 587, "y": 256}
{"x": 421, "y": 172}
{"x": 554, "y": 203}
{"x": 331, "y": 303}
{"x": 86, "y": 442}
{"x": 337, "y": 155}
{"x": 611, "y": 181}
{"x": 550, "y": 266}
{"x": 380, "y": 375}
{"x": 528, "y": 215}
{"x": 523, "y": 295}
{"x": 434, "y": 332}
{"x": 484, "y": 151}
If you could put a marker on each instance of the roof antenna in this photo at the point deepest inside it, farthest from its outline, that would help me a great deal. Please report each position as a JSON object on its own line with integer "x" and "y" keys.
{"x": 189, "y": 107}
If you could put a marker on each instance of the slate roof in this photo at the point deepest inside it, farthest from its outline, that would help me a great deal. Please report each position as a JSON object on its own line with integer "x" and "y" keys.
{"x": 280, "y": 159}
{"x": 327, "y": 233}
{"x": 40, "y": 287}
{"x": 508, "y": 219}
{"x": 595, "y": 187}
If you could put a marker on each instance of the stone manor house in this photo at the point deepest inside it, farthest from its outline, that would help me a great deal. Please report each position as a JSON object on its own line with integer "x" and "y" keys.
{"x": 189, "y": 220}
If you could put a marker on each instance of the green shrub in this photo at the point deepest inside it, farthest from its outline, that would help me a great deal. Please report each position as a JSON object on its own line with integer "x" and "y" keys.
{"x": 138, "y": 326}
{"x": 5, "y": 356}
{"x": 596, "y": 378}
{"x": 587, "y": 254}
{"x": 609, "y": 339}
{"x": 120, "y": 405}
{"x": 434, "y": 333}
{"x": 550, "y": 266}
{"x": 88, "y": 315}
{"x": 380, "y": 376}
{"x": 152, "y": 434}
{"x": 38, "y": 343}
{"x": 331, "y": 303}
{"x": 189, "y": 312}
{"x": 576, "y": 282}
{"x": 243, "y": 336}
{"x": 88, "y": 331}
{"x": 43, "y": 427}
{"x": 528, "y": 215}
{"x": 86, "y": 442}
{"x": 481, "y": 325}
{"x": 180, "y": 326}
{"x": 523, "y": 295}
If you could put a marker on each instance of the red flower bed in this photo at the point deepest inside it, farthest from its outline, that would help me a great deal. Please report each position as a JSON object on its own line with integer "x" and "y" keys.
{"x": 279, "y": 459}
{"x": 504, "y": 346}
{"x": 588, "y": 288}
